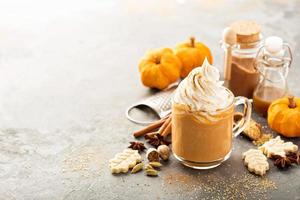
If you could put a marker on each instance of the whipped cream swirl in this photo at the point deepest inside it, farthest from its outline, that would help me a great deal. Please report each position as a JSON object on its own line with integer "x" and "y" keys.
{"x": 202, "y": 90}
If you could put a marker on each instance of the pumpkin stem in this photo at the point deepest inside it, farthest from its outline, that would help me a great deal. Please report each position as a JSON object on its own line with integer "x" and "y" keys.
{"x": 292, "y": 103}
{"x": 157, "y": 60}
{"x": 192, "y": 41}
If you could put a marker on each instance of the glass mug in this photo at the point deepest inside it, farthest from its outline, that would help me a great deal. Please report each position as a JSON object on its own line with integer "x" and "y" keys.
{"x": 203, "y": 141}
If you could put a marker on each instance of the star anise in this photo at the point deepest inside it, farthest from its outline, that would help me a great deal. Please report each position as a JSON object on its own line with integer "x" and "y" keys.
{"x": 156, "y": 140}
{"x": 137, "y": 146}
{"x": 294, "y": 157}
{"x": 282, "y": 162}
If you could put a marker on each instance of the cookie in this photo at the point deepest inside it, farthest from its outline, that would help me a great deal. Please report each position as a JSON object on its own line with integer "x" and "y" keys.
{"x": 256, "y": 161}
{"x": 277, "y": 146}
{"x": 253, "y": 130}
{"x": 122, "y": 162}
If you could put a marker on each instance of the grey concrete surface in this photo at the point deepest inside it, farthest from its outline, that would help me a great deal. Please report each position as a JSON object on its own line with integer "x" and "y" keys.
{"x": 68, "y": 70}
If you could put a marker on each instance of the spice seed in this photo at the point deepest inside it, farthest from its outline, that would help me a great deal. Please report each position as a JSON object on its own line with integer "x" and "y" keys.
{"x": 137, "y": 168}
{"x": 151, "y": 172}
{"x": 148, "y": 167}
{"x": 155, "y": 164}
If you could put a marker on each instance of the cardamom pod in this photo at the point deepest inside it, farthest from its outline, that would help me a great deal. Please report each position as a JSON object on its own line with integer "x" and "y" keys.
{"x": 148, "y": 167}
{"x": 137, "y": 168}
{"x": 155, "y": 164}
{"x": 151, "y": 172}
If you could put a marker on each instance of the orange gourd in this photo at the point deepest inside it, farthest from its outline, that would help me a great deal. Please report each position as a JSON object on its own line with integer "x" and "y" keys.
{"x": 159, "y": 68}
{"x": 284, "y": 116}
{"x": 191, "y": 55}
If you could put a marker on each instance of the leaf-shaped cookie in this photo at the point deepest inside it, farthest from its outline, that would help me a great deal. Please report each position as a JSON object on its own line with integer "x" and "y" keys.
{"x": 125, "y": 160}
{"x": 256, "y": 161}
{"x": 278, "y": 147}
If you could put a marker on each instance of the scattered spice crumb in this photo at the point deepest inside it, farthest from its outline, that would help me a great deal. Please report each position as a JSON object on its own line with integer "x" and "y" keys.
{"x": 203, "y": 186}
{"x": 84, "y": 160}
{"x": 264, "y": 138}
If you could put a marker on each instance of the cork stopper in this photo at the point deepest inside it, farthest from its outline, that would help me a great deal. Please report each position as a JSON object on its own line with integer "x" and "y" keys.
{"x": 246, "y": 31}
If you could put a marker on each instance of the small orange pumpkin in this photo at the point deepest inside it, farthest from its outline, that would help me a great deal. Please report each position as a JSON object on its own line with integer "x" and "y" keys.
{"x": 284, "y": 116}
{"x": 159, "y": 68}
{"x": 191, "y": 55}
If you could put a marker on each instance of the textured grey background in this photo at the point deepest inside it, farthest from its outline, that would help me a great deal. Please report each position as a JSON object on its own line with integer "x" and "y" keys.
{"x": 68, "y": 70}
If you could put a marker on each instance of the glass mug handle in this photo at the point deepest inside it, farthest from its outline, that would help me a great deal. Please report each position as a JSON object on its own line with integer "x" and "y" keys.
{"x": 246, "y": 115}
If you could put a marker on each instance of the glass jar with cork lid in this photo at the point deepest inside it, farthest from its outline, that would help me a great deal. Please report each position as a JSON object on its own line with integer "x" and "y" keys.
{"x": 241, "y": 76}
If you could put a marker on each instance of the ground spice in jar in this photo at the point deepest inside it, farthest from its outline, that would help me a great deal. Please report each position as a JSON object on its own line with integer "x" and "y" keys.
{"x": 244, "y": 77}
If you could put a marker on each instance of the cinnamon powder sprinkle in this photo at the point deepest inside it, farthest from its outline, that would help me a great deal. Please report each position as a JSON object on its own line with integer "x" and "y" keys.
{"x": 216, "y": 186}
{"x": 264, "y": 138}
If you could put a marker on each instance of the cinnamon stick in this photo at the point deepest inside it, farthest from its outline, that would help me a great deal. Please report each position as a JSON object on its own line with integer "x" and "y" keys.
{"x": 149, "y": 128}
{"x": 164, "y": 126}
{"x": 151, "y": 134}
{"x": 167, "y": 130}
